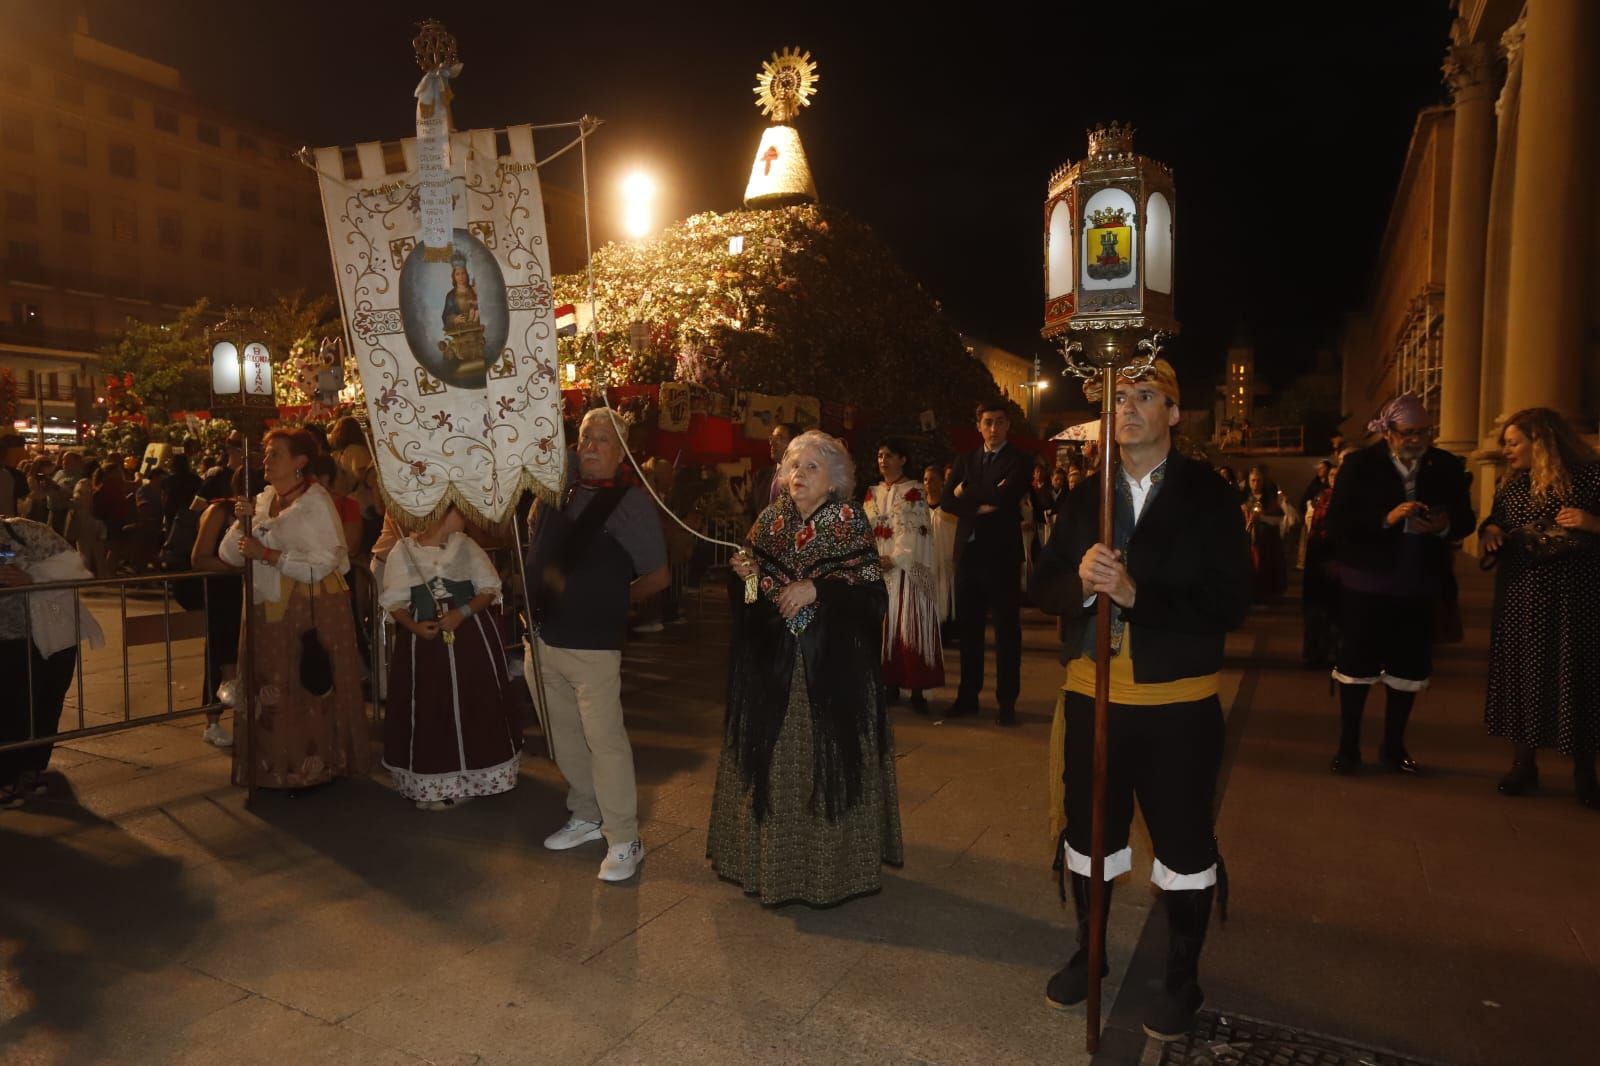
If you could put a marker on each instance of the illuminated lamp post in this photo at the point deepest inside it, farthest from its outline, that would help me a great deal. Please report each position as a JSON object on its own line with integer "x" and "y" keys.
{"x": 1108, "y": 302}
{"x": 241, "y": 386}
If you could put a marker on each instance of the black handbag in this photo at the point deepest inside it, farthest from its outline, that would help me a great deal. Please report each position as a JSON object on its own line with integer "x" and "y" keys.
{"x": 1545, "y": 542}
{"x": 1541, "y": 543}
{"x": 316, "y": 666}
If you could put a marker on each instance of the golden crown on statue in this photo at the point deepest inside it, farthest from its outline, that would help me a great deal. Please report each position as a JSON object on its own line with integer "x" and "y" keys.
{"x": 786, "y": 84}
{"x": 435, "y": 46}
{"x": 1115, "y": 139}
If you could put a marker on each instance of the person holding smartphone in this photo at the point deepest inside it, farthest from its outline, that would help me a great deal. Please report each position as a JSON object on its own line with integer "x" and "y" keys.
{"x": 1397, "y": 508}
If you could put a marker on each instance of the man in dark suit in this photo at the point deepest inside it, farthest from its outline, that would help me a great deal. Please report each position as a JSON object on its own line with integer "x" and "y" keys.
{"x": 765, "y": 485}
{"x": 1397, "y": 507}
{"x": 985, "y": 493}
{"x": 1178, "y": 577}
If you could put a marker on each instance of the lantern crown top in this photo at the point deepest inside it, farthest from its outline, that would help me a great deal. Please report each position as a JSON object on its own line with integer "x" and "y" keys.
{"x": 1115, "y": 139}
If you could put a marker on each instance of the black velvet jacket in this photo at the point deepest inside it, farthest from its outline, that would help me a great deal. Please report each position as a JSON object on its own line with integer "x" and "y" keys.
{"x": 1369, "y": 487}
{"x": 1189, "y": 560}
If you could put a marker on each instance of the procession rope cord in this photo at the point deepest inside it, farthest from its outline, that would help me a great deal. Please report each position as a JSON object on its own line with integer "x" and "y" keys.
{"x": 588, "y": 241}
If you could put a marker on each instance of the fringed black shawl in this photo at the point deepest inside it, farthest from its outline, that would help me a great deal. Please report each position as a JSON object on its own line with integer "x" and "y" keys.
{"x": 839, "y": 639}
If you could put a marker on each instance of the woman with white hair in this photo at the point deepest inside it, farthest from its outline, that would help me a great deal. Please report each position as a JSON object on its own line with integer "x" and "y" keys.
{"x": 806, "y": 808}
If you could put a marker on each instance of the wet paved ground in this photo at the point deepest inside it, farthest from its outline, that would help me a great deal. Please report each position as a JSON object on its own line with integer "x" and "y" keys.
{"x": 147, "y": 915}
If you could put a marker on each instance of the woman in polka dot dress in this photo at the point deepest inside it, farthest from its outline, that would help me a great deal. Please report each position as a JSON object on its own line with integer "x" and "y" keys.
{"x": 1544, "y": 677}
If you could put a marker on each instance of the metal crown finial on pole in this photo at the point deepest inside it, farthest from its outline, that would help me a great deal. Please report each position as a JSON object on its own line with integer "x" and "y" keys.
{"x": 435, "y": 46}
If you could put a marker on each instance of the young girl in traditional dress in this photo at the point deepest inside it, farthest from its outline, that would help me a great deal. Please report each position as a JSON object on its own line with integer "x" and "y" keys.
{"x": 897, "y": 511}
{"x": 451, "y": 731}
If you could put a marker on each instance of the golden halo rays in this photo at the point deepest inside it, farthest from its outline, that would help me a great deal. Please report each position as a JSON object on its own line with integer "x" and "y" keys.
{"x": 786, "y": 84}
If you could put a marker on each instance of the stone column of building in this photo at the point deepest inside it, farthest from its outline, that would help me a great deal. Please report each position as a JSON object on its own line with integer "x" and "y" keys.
{"x": 1469, "y": 69}
{"x": 1547, "y": 311}
{"x": 1497, "y": 243}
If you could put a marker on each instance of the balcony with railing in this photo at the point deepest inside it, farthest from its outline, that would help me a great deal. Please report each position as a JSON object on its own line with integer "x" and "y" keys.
{"x": 35, "y": 387}
{"x": 84, "y": 341}
{"x": 88, "y": 283}
{"x": 1262, "y": 440}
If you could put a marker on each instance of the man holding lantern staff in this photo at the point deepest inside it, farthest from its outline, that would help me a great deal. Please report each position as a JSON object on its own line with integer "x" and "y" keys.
{"x": 1178, "y": 576}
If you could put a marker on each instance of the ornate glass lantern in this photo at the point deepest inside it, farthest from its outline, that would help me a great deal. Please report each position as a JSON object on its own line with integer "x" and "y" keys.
{"x": 241, "y": 365}
{"x": 1108, "y": 246}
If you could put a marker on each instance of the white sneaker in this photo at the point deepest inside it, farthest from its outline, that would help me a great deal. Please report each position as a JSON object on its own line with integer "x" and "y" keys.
{"x": 217, "y": 736}
{"x": 575, "y": 832}
{"x": 622, "y": 861}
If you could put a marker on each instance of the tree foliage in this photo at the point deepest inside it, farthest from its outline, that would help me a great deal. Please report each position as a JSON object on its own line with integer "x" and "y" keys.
{"x": 170, "y": 362}
{"x": 794, "y": 300}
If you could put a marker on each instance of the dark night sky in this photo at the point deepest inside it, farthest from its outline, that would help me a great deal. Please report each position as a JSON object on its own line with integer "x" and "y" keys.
{"x": 1286, "y": 125}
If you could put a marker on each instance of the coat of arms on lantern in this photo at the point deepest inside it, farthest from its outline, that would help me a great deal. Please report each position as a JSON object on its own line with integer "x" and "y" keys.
{"x": 1109, "y": 244}
{"x": 780, "y": 174}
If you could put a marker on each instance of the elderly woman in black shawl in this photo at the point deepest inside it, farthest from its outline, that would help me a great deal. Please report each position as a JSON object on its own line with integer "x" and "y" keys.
{"x": 806, "y": 808}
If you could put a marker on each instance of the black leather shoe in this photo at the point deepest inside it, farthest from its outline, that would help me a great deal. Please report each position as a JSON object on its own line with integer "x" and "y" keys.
{"x": 1520, "y": 781}
{"x": 1346, "y": 762}
{"x": 1007, "y": 717}
{"x": 1172, "y": 1015}
{"x": 960, "y": 709}
{"x": 1069, "y": 986}
{"x": 1397, "y": 759}
{"x": 919, "y": 704}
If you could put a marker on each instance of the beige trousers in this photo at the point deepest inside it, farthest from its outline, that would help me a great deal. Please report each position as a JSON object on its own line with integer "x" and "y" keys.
{"x": 583, "y": 699}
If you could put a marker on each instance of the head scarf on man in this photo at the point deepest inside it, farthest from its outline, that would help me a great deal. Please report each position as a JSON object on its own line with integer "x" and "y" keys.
{"x": 1159, "y": 374}
{"x": 1405, "y": 409}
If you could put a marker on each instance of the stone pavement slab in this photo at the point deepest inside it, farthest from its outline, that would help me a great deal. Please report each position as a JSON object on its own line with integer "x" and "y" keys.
{"x": 1426, "y": 914}
{"x": 165, "y": 920}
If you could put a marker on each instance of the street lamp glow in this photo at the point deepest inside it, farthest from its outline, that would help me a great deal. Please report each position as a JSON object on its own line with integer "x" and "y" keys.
{"x": 638, "y": 192}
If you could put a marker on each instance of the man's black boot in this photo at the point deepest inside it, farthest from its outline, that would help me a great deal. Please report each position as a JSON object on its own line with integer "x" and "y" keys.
{"x": 1070, "y": 985}
{"x": 1172, "y": 1014}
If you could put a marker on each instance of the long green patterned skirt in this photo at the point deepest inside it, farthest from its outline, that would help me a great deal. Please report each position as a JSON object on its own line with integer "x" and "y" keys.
{"x": 795, "y": 855}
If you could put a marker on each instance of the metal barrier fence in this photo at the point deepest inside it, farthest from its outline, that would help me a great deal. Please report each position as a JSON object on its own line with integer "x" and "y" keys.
{"x": 145, "y": 629}
{"x": 172, "y": 623}
{"x": 169, "y": 624}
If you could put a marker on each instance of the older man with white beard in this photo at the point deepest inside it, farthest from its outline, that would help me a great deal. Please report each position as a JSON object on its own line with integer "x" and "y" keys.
{"x": 1397, "y": 507}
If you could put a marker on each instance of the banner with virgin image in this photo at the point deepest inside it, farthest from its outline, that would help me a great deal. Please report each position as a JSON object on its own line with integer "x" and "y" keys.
{"x": 457, "y": 354}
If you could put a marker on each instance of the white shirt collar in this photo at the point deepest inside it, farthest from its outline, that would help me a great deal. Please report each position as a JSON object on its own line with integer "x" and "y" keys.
{"x": 1139, "y": 488}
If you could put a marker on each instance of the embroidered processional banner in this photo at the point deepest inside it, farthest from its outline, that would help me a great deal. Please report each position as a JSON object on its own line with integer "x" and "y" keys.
{"x": 455, "y": 345}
